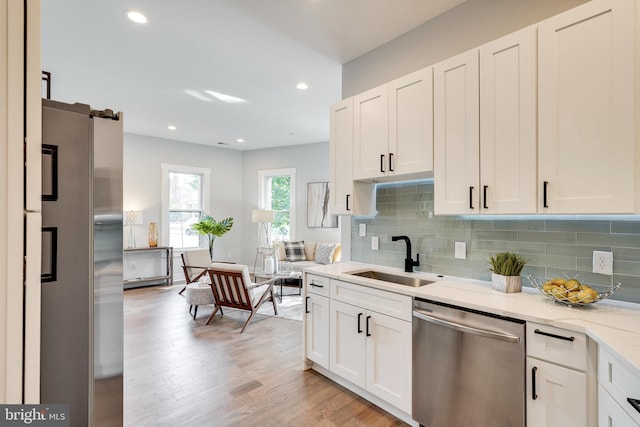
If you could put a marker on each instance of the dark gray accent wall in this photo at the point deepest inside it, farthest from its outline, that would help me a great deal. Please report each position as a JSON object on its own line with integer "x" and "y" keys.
{"x": 555, "y": 246}
{"x": 464, "y": 27}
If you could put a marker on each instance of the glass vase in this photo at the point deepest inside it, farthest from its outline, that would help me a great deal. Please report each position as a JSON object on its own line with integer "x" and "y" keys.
{"x": 153, "y": 235}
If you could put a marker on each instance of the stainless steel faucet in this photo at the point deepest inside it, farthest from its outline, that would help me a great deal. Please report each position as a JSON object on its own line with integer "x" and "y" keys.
{"x": 409, "y": 263}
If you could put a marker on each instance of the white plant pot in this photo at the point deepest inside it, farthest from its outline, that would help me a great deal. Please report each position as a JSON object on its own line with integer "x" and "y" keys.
{"x": 508, "y": 284}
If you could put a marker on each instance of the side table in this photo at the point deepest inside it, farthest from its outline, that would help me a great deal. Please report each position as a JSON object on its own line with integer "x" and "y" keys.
{"x": 282, "y": 278}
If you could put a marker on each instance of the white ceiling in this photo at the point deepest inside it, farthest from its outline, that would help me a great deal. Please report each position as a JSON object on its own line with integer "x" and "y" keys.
{"x": 252, "y": 49}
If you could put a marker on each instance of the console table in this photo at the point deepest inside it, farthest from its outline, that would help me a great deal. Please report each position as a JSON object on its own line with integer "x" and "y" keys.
{"x": 168, "y": 256}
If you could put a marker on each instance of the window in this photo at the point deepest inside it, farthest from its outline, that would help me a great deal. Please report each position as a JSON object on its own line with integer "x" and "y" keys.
{"x": 184, "y": 201}
{"x": 277, "y": 193}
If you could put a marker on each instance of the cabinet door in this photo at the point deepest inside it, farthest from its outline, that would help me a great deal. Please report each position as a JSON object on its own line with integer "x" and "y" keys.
{"x": 346, "y": 342}
{"x": 610, "y": 414}
{"x": 317, "y": 323}
{"x": 508, "y": 167}
{"x": 560, "y": 395}
{"x": 388, "y": 355}
{"x": 586, "y": 109}
{"x": 371, "y": 133}
{"x": 341, "y": 156}
{"x": 456, "y": 136}
{"x": 411, "y": 123}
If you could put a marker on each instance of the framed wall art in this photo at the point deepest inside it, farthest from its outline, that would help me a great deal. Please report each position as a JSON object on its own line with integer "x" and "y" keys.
{"x": 318, "y": 213}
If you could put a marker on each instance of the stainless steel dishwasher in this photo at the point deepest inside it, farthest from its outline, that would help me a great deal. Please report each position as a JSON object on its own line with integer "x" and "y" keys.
{"x": 468, "y": 367}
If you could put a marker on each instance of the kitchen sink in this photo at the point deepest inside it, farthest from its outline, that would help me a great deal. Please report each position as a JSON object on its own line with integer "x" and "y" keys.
{"x": 415, "y": 282}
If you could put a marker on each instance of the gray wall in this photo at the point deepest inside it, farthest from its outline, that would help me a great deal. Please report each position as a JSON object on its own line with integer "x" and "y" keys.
{"x": 311, "y": 162}
{"x": 471, "y": 24}
{"x": 143, "y": 156}
{"x": 554, "y": 246}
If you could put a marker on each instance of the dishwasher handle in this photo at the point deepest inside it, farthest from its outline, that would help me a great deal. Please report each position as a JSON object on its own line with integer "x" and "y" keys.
{"x": 422, "y": 315}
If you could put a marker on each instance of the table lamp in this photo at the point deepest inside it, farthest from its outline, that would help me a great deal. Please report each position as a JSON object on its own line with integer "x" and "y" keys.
{"x": 132, "y": 218}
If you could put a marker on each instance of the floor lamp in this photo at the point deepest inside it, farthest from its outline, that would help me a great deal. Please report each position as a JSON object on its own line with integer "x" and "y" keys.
{"x": 264, "y": 218}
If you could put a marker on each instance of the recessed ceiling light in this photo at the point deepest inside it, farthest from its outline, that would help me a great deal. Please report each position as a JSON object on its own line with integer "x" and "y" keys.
{"x": 302, "y": 86}
{"x": 171, "y": 127}
{"x": 136, "y": 17}
{"x": 239, "y": 140}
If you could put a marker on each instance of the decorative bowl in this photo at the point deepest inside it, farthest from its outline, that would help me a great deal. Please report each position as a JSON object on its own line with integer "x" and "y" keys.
{"x": 570, "y": 291}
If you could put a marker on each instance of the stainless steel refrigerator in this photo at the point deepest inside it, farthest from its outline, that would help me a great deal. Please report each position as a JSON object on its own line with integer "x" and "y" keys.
{"x": 82, "y": 293}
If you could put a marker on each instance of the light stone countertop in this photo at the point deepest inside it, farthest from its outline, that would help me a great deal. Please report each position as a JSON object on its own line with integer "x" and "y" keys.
{"x": 612, "y": 324}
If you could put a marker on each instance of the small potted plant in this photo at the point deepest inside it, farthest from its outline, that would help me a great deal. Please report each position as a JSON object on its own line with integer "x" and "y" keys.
{"x": 506, "y": 268}
{"x": 207, "y": 226}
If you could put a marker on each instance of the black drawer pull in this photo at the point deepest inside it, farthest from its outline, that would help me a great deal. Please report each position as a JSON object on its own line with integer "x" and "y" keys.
{"x": 635, "y": 403}
{"x": 306, "y": 305}
{"x": 368, "y": 333}
{"x": 484, "y": 196}
{"x": 534, "y": 395}
{"x": 390, "y": 162}
{"x": 470, "y": 197}
{"x": 359, "y": 327}
{"x": 316, "y": 286}
{"x": 347, "y": 202}
{"x": 382, "y": 163}
{"x": 544, "y": 194}
{"x": 547, "y": 334}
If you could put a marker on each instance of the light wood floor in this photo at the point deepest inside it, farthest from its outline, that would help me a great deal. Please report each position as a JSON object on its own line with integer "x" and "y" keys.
{"x": 179, "y": 372}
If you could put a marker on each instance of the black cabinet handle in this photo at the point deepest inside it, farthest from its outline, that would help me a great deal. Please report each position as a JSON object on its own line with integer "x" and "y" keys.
{"x": 306, "y": 305}
{"x": 470, "y": 197}
{"x": 359, "y": 327}
{"x": 548, "y": 334}
{"x": 484, "y": 197}
{"x": 635, "y": 403}
{"x": 544, "y": 194}
{"x": 390, "y": 162}
{"x": 534, "y": 395}
{"x": 368, "y": 333}
{"x": 347, "y": 201}
{"x": 316, "y": 286}
{"x": 382, "y": 163}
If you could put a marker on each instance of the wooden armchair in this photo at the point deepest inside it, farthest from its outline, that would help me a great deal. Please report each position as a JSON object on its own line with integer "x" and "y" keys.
{"x": 232, "y": 287}
{"x": 194, "y": 265}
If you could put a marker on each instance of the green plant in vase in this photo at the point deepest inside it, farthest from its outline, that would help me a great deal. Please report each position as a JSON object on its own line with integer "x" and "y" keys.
{"x": 506, "y": 268}
{"x": 207, "y": 226}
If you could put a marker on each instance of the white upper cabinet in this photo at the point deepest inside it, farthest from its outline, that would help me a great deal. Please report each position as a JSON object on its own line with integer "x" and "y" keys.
{"x": 456, "y": 138}
{"x": 346, "y": 196}
{"x": 371, "y": 133}
{"x": 508, "y": 146}
{"x": 340, "y": 148}
{"x": 586, "y": 109}
{"x": 411, "y": 123}
{"x": 485, "y": 128}
{"x": 393, "y": 128}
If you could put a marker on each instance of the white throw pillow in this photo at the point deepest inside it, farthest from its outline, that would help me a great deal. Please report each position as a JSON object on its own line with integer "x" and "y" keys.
{"x": 324, "y": 253}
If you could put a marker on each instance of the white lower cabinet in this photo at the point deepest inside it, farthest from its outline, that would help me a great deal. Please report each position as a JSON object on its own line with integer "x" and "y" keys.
{"x": 618, "y": 382}
{"x": 373, "y": 351}
{"x": 317, "y": 329}
{"x": 610, "y": 414}
{"x": 558, "y": 371}
{"x": 556, "y": 395}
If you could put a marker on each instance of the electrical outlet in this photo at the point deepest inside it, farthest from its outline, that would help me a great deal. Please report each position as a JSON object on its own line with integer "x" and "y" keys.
{"x": 460, "y": 250}
{"x": 375, "y": 243}
{"x": 603, "y": 262}
{"x": 362, "y": 230}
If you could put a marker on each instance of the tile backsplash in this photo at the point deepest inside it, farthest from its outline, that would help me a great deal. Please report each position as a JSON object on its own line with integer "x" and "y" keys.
{"x": 554, "y": 246}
